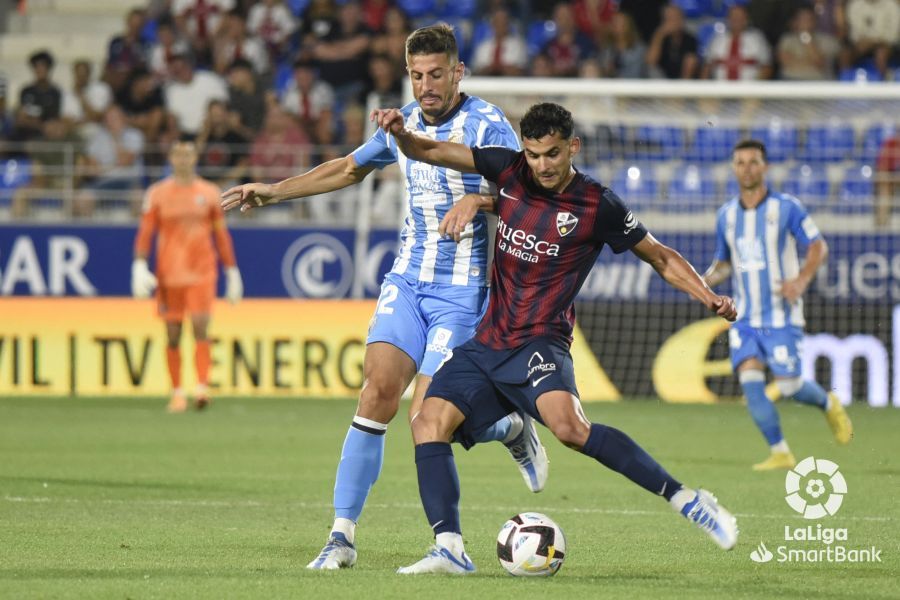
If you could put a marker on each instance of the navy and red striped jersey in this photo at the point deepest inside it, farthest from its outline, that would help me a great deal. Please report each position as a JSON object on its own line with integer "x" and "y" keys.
{"x": 546, "y": 244}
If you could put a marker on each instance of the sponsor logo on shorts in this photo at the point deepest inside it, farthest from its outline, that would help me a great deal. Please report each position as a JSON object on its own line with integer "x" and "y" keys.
{"x": 536, "y": 364}
{"x": 441, "y": 341}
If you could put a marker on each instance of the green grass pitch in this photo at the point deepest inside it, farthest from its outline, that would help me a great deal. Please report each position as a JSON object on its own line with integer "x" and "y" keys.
{"x": 113, "y": 498}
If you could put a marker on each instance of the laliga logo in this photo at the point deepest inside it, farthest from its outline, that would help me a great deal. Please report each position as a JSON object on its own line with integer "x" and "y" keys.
{"x": 317, "y": 266}
{"x": 807, "y": 488}
{"x": 761, "y": 554}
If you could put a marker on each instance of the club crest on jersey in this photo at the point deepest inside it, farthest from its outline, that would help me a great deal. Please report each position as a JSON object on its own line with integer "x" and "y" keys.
{"x": 565, "y": 223}
{"x": 457, "y": 137}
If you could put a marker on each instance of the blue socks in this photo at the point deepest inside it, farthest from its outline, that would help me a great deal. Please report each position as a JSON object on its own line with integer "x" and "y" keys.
{"x": 361, "y": 460}
{"x": 438, "y": 486}
{"x": 615, "y": 450}
{"x": 761, "y": 408}
{"x": 811, "y": 393}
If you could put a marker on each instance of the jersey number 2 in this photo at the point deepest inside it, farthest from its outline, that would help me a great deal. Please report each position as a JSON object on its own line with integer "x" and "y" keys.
{"x": 384, "y": 303}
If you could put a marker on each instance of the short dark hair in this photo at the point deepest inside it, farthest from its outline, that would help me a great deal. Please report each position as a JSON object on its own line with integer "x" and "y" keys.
{"x": 434, "y": 39}
{"x": 547, "y": 118}
{"x": 750, "y": 144}
{"x": 41, "y": 56}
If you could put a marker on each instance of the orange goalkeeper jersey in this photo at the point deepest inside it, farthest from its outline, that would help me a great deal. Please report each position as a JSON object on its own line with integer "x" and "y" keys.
{"x": 187, "y": 219}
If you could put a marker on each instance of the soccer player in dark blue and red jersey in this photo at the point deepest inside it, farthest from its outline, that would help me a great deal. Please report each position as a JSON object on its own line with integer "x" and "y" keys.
{"x": 553, "y": 222}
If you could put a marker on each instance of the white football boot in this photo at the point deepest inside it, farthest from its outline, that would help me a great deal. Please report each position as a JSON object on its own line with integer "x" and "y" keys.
{"x": 703, "y": 510}
{"x": 338, "y": 553}
{"x": 526, "y": 449}
{"x": 440, "y": 560}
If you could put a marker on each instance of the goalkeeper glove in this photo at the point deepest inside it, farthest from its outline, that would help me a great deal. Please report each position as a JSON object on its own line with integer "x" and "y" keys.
{"x": 234, "y": 286}
{"x": 143, "y": 282}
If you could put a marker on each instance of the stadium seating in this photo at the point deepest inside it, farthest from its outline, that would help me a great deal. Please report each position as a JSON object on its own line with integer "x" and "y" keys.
{"x": 832, "y": 142}
{"x": 691, "y": 189}
{"x": 860, "y": 74}
{"x": 706, "y": 33}
{"x": 713, "y": 144}
{"x": 655, "y": 143}
{"x": 537, "y": 36}
{"x": 298, "y": 7}
{"x": 14, "y": 173}
{"x": 693, "y": 9}
{"x": 416, "y": 9}
{"x": 857, "y": 191}
{"x": 873, "y": 138}
{"x": 637, "y": 185}
{"x": 458, "y": 8}
{"x": 809, "y": 183}
{"x": 780, "y": 139}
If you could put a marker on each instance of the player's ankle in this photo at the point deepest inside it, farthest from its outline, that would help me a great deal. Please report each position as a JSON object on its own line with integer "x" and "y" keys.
{"x": 452, "y": 542}
{"x": 346, "y": 527}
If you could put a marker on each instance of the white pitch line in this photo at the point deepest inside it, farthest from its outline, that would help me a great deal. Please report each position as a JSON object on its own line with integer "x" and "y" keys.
{"x": 399, "y": 505}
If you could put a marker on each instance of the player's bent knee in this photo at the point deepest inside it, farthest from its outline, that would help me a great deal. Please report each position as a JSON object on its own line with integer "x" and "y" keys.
{"x": 428, "y": 428}
{"x": 573, "y": 434}
{"x": 789, "y": 386}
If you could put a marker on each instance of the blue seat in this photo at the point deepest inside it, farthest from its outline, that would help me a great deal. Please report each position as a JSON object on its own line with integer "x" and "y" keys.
{"x": 693, "y": 9}
{"x": 480, "y": 32}
{"x": 538, "y": 35}
{"x": 873, "y": 138}
{"x": 458, "y": 8}
{"x": 860, "y": 74}
{"x": 415, "y": 9}
{"x": 637, "y": 185}
{"x": 298, "y": 7}
{"x": 780, "y": 140}
{"x": 720, "y": 8}
{"x": 713, "y": 144}
{"x": 14, "y": 173}
{"x": 692, "y": 189}
{"x": 462, "y": 31}
{"x": 284, "y": 75}
{"x": 655, "y": 143}
{"x": 857, "y": 191}
{"x": 828, "y": 143}
{"x": 809, "y": 183}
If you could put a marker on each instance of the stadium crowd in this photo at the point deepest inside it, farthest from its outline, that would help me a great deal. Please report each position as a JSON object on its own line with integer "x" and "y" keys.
{"x": 269, "y": 87}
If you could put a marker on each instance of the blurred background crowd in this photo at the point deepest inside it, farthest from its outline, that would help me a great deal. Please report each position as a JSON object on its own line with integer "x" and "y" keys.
{"x": 268, "y": 88}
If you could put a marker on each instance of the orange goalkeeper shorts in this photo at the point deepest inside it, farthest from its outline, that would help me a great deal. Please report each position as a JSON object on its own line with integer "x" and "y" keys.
{"x": 174, "y": 302}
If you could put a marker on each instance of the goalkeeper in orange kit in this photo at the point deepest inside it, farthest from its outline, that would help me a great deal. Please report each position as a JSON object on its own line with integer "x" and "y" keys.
{"x": 183, "y": 209}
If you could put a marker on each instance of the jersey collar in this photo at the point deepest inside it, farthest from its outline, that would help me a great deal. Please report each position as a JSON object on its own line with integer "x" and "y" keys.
{"x": 447, "y": 117}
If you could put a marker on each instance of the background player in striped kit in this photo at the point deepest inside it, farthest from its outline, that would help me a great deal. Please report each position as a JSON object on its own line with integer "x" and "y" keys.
{"x": 435, "y": 294}
{"x": 758, "y": 234}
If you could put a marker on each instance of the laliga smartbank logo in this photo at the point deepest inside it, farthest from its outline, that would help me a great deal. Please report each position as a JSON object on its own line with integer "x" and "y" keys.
{"x": 815, "y": 489}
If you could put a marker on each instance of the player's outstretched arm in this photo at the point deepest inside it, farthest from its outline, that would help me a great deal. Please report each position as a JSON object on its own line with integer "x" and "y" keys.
{"x": 327, "y": 177}
{"x": 718, "y": 271}
{"x": 442, "y": 154}
{"x": 679, "y": 273}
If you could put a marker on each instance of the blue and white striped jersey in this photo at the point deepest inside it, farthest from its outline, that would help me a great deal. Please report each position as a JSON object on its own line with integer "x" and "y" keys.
{"x": 431, "y": 191}
{"x": 762, "y": 246}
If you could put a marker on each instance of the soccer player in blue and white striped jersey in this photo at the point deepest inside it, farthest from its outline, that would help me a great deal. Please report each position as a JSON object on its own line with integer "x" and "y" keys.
{"x": 436, "y": 292}
{"x": 760, "y": 235}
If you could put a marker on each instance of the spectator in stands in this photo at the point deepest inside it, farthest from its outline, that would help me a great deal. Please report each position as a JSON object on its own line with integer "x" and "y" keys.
{"x": 503, "y": 52}
{"x": 374, "y": 13}
{"x": 128, "y": 50}
{"x": 392, "y": 39}
{"x": 145, "y": 108}
{"x": 223, "y": 152}
{"x": 887, "y": 180}
{"x": 247, "y": 98}
{"x": 114, "y": 162}
{"x": 647, "y": 15}
{"x": 805, "y": 53}
{"x": 311, "y": 102}
{"x": 317, "y": 23}
{"x": 39, "y": 101}
{"x": 6, "y": 123}
{"x": 873, "y": 31}
{"x": 89, "y": 99}
{"x": 673, "y": 50}
{"x": 772, "y": 17}
{"x": 343, "y": 54}
{"x": 542, "y": 66}
{"x": 233, "y": 43}
{"x": 625, "y": 56}
{"x": 199, "y": 21}
{"x": 741, "y": 52}
{"x": 189, "y": 92}
{"x": 57, "y": 155}
{"x": 569, "y": 46}
{"x": 272, "y": 22}
{"x": 169, "y": 43}
{"x": 594, "y": 19}
{"x": 281, "y": 150}
{"x": 387, "y": 84}
{"x": 340, "y": 206}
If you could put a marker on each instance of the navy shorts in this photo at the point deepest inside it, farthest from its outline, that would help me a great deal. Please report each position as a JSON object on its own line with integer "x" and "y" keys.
{"x": 487, "y": 384}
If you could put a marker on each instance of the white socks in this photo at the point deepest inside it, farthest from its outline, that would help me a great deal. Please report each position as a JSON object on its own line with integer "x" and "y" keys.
{"x": 345, "y": 526}
{"x": 781, "y": 446}
{"x": 452, "y": 542}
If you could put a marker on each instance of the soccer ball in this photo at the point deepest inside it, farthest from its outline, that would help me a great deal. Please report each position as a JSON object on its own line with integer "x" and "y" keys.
{"x": 531, "y": 545}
